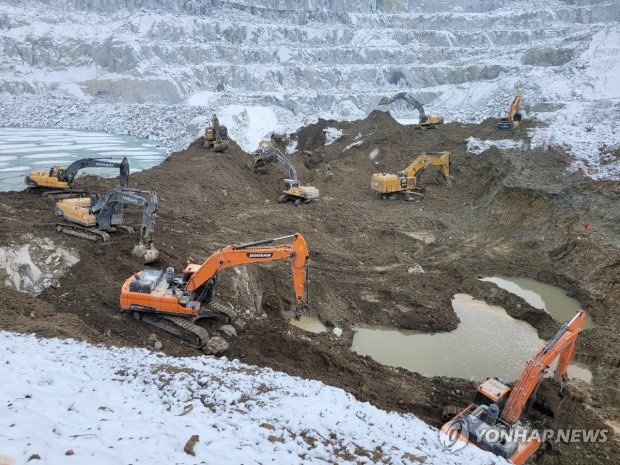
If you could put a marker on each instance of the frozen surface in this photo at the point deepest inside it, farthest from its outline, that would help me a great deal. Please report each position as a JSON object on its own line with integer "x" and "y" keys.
{"x": 25, "y": 149}
{"x": 119, "y": 406}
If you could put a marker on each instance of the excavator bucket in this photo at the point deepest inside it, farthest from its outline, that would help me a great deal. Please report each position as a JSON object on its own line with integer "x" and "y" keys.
{"x": 149, "y": 254}
{"x": 385, "y": 101}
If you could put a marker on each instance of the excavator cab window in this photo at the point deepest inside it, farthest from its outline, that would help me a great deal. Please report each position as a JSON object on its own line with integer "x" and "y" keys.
{"x": 287, "y": 186}
{"x": 223, "y": 131}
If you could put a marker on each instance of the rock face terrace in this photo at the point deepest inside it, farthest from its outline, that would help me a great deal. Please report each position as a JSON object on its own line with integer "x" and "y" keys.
{"x": 464, "y": 60}
{"x": 511, "y": 212}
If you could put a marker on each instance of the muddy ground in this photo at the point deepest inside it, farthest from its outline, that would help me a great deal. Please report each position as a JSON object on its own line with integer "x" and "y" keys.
{"x": 517, "y": 212}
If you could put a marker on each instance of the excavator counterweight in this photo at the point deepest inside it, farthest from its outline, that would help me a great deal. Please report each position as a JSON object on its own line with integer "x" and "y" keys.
{"x": 497, "y": 420}
{"x": 183, "y": 298}
{"x": 405, "y": 183}
{"x": 59, "y": 181}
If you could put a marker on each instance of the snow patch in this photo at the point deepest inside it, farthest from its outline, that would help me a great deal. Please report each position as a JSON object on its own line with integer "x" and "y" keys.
{"x": 291, "y": 148}
{"x": 477, "y": 146}
{"x": 354, "y": 144}
{"x": 124, "y": 405}
{"x": 332, "y": 135}
{"x": 248, "y": 125}
{"x": 35, "y": 265}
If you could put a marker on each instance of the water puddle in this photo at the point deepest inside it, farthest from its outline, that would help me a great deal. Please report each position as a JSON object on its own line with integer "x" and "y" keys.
{"x": 552, "y": 299}
{"x": 488, "y": 342}
{"x": 312, "y": 325}
{"x": 577, "y": 371}
{"x": 25, "y": 149}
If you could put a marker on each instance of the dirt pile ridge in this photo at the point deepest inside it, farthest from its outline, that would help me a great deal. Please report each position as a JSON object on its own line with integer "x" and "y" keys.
{"x": 515, "y": 212}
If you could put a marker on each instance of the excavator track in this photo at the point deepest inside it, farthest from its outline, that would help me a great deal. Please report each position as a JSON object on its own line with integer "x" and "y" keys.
{"x": 63, "y": 194}
{"x": 413, "y": 195}
{"x": 229, "y": 312}
{"x": 201, "y": 334}
{"x": 82, "y": 232}
{"x": 55, "y": 193}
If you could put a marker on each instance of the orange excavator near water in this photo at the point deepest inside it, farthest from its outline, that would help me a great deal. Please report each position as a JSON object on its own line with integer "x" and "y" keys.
{"x": 156, "y": 295}
{"x": 496, "y": 421}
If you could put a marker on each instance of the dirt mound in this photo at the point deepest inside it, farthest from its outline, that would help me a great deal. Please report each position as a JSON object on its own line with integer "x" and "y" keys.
{"x": 509, "y": 212}
{"x": 311, "y": 137}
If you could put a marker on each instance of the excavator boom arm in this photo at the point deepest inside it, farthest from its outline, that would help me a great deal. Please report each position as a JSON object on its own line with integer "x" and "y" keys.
{"x": 267, "y": 152}
{"x": 419, "y": 164}
{"x": 255, "y": 252}
{"x": 515, "y": 106}
{"x": 407, "y": 98}
{"x": 68, "y": 174}
{"x": 563, "y": 346}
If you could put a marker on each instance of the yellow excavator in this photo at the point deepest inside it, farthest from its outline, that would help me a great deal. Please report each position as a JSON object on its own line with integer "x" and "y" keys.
{"x": 216, "y": 136}
{"x": 511, "y": 122}
{"x": 293, "y": 190}
{"x": 95, "y": 217}
{"x": 58, "y": 182}
{"x": 426, "y": 121}
{"x": 404, "y": 184}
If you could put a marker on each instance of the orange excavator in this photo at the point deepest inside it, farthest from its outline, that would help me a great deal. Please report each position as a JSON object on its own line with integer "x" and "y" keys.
{"x": 513, "y": 119}
{"x": 496, "y": 421}
{"x": 184, "y": 298}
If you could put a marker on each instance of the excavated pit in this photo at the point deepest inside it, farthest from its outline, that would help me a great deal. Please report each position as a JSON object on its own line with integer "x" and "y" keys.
{"x": 514, "y": 212}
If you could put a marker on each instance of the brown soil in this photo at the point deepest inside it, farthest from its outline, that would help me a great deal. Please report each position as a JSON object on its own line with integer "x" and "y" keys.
{"x": 508, "y": 213}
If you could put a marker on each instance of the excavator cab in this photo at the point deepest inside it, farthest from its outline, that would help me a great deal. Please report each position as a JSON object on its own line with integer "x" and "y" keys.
{"x": 290, "y": 184}
{"x": 492, "y": 391}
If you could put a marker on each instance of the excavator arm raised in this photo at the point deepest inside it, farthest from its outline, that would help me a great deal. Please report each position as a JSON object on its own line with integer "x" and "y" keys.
{"x": 500, "y": 412}
{"x": 417, "y": 167}
{"x": 264, "y": 153}
{"x": 67, "y": 175}
{"x": 425, "y": 120}
{"x": 562, "y": 346}
{"x": 514, "y": 116}
{"x": 58, "y": 182}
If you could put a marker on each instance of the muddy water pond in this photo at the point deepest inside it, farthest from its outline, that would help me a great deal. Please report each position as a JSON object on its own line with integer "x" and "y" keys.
{"x": 307, "y": 323}
{"x": 487, "y": 343}
{"x": 545, "y": 297}
{"x": 25, "y": 149}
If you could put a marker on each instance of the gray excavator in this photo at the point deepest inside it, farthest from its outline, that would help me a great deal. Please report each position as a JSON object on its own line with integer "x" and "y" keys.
{"x": 95, "y": 217}
{"x": 58, "y": 182}
{"x": 427, "y": 122}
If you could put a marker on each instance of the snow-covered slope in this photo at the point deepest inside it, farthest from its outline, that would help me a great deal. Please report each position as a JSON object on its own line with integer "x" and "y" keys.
{"x": 124, "y": 406}
{"x": 159, "y": 68}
